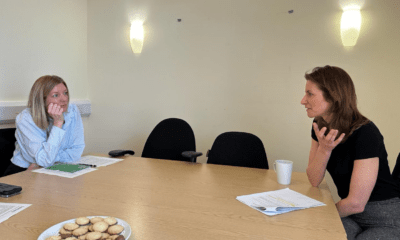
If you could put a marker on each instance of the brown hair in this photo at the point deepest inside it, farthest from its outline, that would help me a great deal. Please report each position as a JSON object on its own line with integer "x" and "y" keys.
{"x": 338, "y": 89}
{"x": 37, "y": 98}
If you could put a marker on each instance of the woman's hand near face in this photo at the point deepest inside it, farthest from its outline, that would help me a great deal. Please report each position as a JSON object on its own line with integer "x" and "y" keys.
{"x": 328, "y": 142}
{"x": 320, "y": 153}
{"x": 56, "y": 112}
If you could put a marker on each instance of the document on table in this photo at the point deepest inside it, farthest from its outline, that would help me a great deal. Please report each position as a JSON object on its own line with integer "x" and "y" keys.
{"x": 10, "y": 209}
{"x": 98, "y": 161}
{"x": 279, "y": 201}
{"x": 86, "y": 160}
{"x": 66, "y": 174}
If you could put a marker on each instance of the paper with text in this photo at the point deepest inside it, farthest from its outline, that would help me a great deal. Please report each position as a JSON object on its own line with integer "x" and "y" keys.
{"x": 91, "y": 160}
{"x": 279, "y": 201}
{"x": 98, "y": 161}
{"x": 10, "y": 209}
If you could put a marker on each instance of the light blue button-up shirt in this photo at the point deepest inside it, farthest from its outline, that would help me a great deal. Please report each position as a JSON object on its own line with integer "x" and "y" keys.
{"x": 62, "y": 145}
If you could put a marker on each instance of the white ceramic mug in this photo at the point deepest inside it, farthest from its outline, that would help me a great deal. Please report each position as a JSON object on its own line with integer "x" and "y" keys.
{"x": 283, "y": 169}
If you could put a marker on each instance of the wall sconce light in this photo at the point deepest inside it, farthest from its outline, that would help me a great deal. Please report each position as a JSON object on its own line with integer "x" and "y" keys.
{"x": 137, "y": 36}
{"x": 350, "y": 27}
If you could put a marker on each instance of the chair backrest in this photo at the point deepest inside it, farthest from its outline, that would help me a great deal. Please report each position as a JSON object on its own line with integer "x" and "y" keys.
{"x": 7, "y": 147}
{"x": 238, "y": 149}
{"x": 169, "y": 139}
{"x": 396, "y": 170}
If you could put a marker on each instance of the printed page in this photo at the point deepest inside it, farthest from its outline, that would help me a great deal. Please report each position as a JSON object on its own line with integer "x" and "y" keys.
{"x": 64, "y": 174}
{"x": 98, "y": 161}
{"x": 280, "y": 201}
{"x": 10, "y": 209}
{"x": 92, "y": 161}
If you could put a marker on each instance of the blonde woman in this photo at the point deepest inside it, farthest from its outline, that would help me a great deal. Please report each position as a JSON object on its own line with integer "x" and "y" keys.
{"x": 50, "y": 130}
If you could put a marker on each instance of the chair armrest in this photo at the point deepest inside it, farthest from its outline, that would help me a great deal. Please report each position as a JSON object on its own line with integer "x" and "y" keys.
{"x": 119, "y": 153}
{"x": 192, "y": 155}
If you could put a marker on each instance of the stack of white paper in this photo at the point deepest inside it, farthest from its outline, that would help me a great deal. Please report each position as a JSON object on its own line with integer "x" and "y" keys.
{"x": 9, "y": 209}
{"x": 278, "y": 202}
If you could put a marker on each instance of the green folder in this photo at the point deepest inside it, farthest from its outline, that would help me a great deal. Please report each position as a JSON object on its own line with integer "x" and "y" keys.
{"x": 64, "y": 167}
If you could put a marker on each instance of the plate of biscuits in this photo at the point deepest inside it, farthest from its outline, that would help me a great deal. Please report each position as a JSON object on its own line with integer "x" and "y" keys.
{"x": 89, "y": 228}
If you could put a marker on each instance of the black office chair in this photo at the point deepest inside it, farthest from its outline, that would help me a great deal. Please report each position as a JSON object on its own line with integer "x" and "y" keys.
{"x": 238, "y": 149}
{"x": 7, "y": 147}
{"x": 396, "y": 170}
{"x": 172, "y": 139}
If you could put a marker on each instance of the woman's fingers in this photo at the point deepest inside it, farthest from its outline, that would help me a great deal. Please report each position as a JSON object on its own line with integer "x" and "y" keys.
{"x": 332, "y": 135}
{"x": 56, "y": 112}
{"x": 339, "y": 139}
{"x": 54, "y": 109}
{"x": 328, "y": 141}
{"x": 320, "y": 133}
{"x": 315, "y": 126}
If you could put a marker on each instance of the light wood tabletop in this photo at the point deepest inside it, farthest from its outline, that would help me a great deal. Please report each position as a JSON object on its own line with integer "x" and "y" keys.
{"x": 164, "y": 199}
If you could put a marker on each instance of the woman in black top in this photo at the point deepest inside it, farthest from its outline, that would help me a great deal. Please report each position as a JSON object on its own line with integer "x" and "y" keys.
{"x": 351, "y": 148}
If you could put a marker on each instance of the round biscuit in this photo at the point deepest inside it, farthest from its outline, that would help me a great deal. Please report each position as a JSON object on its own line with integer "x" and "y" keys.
{"x": 115, "y": 229}
{"x": 91, "y": 228}
{"x": 63, "y": 231}
{"x": 100, "y": 226}
{"x": 96, "y": 219}
{"x": 82, "y": 221}
{"x": 93, "y": 236}
{"x": 54, "y": 238}
{"x": 82, "y": 237}
{"x": 70, "y": 226}
{"x": 105, "y": 235}
{"x": 71, "y": 238}
{"x": 110, "y": 220}
{"x": 86, "y": 226}
{"x": 80, "y": 231}
{"x": 66, "y": 235}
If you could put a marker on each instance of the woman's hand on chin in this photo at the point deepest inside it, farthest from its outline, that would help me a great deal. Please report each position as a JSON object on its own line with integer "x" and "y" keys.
{"x": 56, "y": 112}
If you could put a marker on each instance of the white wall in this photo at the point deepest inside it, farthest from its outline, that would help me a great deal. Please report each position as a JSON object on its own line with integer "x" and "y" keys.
{"x": 39, "y": 38}
{"x": 233, "y": 65}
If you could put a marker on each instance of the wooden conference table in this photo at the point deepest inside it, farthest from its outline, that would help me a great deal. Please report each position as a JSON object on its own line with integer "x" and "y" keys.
{"x": 164, "y": 199}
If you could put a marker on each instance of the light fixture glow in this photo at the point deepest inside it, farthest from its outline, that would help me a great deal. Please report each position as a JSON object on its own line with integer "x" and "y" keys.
{"x": 137, "y": 36}
{"x": 350, "y": 27}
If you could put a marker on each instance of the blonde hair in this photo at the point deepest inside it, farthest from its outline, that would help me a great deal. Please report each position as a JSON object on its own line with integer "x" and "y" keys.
{"x": 37, "y": 98}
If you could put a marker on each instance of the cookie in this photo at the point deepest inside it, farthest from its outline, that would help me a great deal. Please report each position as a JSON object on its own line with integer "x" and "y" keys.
{"x": 93, "y": 236}
{"x": 90, "y": 228}
{"x": 82, "y": 221}
{"x": 117, "y": 237}
{"x": 63, "y": 231}
{"x": 100, "y": 226}
{"x": 82, "y": 237}
{"x": 79, "y": 231}
{"x": 116, "y": 229}
{"x": 64, "y": 236}
{"x": 113, "y": 237}
{"x": 96, "y": 219}
{"x": 86, "y": 226}
{"x": 54, "y": 238}
{"x": 71, "y": 238}
{"x": 70, "y": 226}
{"x": 110, "y": 220}
{"x": 105, "y": 235}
